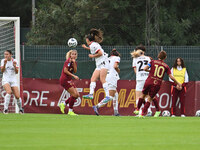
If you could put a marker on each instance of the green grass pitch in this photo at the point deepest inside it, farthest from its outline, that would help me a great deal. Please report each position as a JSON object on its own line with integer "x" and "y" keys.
{"x": 83, "y": 132}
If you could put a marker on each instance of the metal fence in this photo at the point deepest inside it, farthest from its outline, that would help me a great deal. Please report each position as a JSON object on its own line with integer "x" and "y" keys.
{"x": 57, "y": 53}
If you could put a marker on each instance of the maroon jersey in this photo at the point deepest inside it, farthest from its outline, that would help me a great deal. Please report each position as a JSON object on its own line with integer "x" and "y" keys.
{"x": 69, "y": 66}
{"x": 157, "y": 71}
{"x": 153, "y": 83}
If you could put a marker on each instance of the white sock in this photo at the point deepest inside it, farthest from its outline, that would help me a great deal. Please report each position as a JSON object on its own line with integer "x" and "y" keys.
{"x": 105, "y": 87}
{"x": 19, "y": 103}
{"x": 140, "y": 111}
{"x": 92, "y": 87}
{"x": 103, "y": 102}
{"x": 70, "y": 109}
{"x": 6, "y": 101}
{"x": 115, "y": 103}
{"x": 149, "y": 109}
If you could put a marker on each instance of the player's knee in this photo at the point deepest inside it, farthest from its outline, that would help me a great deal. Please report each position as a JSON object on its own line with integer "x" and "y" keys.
{"x": 76, "y": 95}
{"x": 17, "y": 97}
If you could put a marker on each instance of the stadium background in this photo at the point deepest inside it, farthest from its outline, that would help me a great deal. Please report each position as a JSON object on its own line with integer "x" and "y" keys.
{"x": 42, "y": 66}
{"x": 125, "y": 23}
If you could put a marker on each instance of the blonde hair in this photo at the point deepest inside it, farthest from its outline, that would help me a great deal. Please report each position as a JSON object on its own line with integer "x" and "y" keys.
{"x": 137, "y": 53}
{"x": 68, "y": 54}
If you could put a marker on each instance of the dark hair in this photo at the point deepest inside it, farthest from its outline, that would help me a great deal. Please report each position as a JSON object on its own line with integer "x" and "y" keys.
{"x": 95, "y": 35}
{"x": 182, "y": 63}
{"x": 115, "y": 52}
{"x": 9, "y": 51}
{"x": 162, "y": 55}
{"x": 141, "y": 47}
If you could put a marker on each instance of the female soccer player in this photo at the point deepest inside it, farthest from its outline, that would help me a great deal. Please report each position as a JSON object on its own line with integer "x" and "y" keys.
{"x": 70, "y": 67}
{"x": 139, "y": 62}
{"x": 153, "y": 83}
{"x": 180, "y": 74}
{"x": 9, "y": 68}
{"x": 93, "y": 39}
{"x": 112, "y": 78}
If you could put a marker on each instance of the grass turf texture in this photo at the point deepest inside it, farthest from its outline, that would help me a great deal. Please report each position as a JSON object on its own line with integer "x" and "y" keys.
{"x": 59, "y": 132}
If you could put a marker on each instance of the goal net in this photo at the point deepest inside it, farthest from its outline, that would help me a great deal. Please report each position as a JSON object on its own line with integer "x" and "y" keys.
{"x": 9, "y": 40}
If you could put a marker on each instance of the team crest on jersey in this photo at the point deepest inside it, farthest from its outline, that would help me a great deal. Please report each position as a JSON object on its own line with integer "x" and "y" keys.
{"x": 68, "y": 64}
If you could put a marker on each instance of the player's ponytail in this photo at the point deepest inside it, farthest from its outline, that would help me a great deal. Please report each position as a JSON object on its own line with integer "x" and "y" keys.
{"x": 137, "y": 53}
{"x": 114, "y": 52}
{"x": 97, "y": 35}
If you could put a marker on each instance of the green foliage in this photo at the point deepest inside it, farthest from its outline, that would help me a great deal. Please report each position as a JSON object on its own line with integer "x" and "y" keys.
{"x": 123, "y": 22}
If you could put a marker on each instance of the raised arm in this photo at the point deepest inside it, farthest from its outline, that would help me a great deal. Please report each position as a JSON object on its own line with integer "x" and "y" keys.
{"x": 98, "y": 54}
{"x": 3, "y": 65}
{"x": 146, "y": 68}
{"x": 116, "y": 66}
{"x": 74, "y": 65}
{"x": 15, "y": 66}
{"x": 85, "y": 47}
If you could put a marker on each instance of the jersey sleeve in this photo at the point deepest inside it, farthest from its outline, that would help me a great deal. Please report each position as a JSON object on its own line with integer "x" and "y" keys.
{"x": 67, "y": 64}
{"x": 94, "y": 48}
{"x": 117, "y": 59}
{"x": 2, "y": 62}
{"x": 186, "y": 77}
{"x": 134, "y": 63}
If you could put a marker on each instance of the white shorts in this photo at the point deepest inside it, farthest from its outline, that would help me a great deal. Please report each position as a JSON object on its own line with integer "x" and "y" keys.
{"x": 12, "y": 83}
{"x": 112, "y": 83}
{"x": 103, "y": 65}
{"x": 139, "y": 85}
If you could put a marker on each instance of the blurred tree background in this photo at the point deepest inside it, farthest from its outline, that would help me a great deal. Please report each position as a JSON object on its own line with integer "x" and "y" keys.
{"x": 123, "y": 21}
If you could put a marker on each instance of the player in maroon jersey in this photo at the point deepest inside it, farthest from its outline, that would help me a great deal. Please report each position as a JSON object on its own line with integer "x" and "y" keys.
{"x": 153, "y": 83}
{"x": 70, "y": 67}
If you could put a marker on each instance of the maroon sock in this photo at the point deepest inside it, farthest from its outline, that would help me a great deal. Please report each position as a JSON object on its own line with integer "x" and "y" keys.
{"x": 71, "y": 102}
{"x": 156, "y": 104}
{"x": 144, "y": 102}
{"x": 67, "y": 101}
{"x": 140, "y": 102}
{"x": 146, "y": 106}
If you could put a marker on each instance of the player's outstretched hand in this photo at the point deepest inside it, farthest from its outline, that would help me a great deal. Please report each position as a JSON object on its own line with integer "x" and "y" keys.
{"x": 76, "y": 77}
{"x": 91, "y": 56}
{"x": 84, "y": 46}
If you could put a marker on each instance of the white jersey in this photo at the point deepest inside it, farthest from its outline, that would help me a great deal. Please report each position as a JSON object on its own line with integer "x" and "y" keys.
{"x": 9, "y": 74}
{"x": 112, "y": 73}
{"x": 94, "y": 48}
{"x": 139, "y": 63}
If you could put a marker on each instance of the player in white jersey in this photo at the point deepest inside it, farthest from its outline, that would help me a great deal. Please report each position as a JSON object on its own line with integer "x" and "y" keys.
{"x": 101, "y": 58}
{"x": 9, "y": 68}
{"x": 112, "y": 78}
{"x": 139, "y": 62}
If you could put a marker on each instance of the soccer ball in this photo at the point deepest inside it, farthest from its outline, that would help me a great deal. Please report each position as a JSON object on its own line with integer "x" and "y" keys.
{"x": 72, "y": 42}
{"x": 165, "y": 113}
{"x": 197, "y": 113}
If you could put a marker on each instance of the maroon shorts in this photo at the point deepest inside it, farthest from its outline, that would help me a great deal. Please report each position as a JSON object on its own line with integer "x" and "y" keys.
{"x": 151, "y": 89}
{"x": 66, "y": 84}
